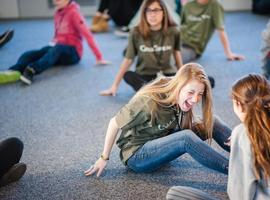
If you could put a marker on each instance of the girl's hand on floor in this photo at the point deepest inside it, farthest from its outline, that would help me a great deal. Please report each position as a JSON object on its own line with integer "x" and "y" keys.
{"x": 103, "y": 62}
{"x": 233, "y": 56}
{"x": 109, "y": 92}
{"x": 97, "y": 168}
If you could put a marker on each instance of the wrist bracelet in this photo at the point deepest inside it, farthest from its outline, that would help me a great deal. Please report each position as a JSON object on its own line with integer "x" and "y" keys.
{"x": 104, "y": 158}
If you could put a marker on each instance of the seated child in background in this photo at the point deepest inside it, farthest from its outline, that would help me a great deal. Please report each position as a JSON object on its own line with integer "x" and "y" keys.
{"x": 66, "y": 47}
{"x": 199, "y": 20}
{"x": 154, "y": 43}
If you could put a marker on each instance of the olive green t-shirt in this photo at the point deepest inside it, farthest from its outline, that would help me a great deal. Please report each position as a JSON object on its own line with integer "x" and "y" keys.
{"x": 139, "y": 126}
{"x": 198, "y": 23}
{"x": 154, "y": 54}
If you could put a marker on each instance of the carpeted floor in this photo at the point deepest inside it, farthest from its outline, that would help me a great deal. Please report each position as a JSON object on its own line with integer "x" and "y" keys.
{"x": 62, "y": 120}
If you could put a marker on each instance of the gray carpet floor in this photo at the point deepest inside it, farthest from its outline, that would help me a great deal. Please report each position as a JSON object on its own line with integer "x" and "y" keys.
{"x": 62, "y": 120}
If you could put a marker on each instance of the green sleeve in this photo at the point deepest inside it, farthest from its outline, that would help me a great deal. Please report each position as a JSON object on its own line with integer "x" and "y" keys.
{"x": 131, "y": 48}
{"x": 134, "y": 113}
{"x": 218, "y": 16}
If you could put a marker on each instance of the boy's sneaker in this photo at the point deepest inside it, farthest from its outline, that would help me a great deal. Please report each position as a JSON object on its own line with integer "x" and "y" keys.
{"x": 5, "y": 37}
{"x": 27, "y": 76}
{"x": 122, "y": 32}
{"x": 9, "y": 76}
{"x": 13, "y": 174}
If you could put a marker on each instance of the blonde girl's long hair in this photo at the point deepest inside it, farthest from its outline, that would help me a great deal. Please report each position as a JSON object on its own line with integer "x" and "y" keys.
{"x": 253, "y": 93}
{"x": 164, "y": 91}
{"x": 143, "y": 26}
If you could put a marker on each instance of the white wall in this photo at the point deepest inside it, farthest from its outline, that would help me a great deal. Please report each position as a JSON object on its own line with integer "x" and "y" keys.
{"x": 32, "y": 8}
{"x": 232, "y": 5}
{"x": 39, "y": 8}
{"x": 9, "y": 9}
{"x": 229, "y": 5}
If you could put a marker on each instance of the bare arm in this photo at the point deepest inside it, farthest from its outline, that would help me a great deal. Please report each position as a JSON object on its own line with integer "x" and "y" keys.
{"x": 226, "y": 45}
{"x": 110, "y": 137}
{"x": 101, "y": 163}
{"x": 80, "y": 24}
{"x": 123, "y": 68}
{"x": 178, "y": 59}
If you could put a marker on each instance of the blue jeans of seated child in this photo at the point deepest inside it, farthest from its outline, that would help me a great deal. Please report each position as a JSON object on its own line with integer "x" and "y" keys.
{"x": 46, "y": 57}
{"x": 158, "y": 152}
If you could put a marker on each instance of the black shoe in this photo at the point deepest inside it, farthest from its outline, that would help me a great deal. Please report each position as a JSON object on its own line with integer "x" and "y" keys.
{"x": 5, "y": 37}
{"x": 27, "y": 76}
{"x": 13, "y": 174}
{"x": 212, "y": 81}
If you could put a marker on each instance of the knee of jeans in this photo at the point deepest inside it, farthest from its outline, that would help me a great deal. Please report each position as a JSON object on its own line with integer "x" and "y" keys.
{"x": 57, "y": 49}
{"x": 189, "y": 133}
{"x": 186, "y": 136}
{"x": 190, "y": 137}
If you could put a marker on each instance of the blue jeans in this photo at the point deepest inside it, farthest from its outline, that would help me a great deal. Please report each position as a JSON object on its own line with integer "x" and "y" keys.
{"x": 46, "y": 57}
{"x": 157, "y": 152}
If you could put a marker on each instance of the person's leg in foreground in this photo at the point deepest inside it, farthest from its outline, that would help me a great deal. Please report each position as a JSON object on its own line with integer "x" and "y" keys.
{"x": 10, "y": 154}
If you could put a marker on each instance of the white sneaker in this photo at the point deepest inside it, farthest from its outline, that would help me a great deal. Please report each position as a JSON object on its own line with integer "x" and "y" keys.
{"x": 122, "y": 32}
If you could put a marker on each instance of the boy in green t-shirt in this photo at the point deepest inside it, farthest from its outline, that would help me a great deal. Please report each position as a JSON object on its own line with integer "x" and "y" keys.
{"x": 199, "y": 19}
